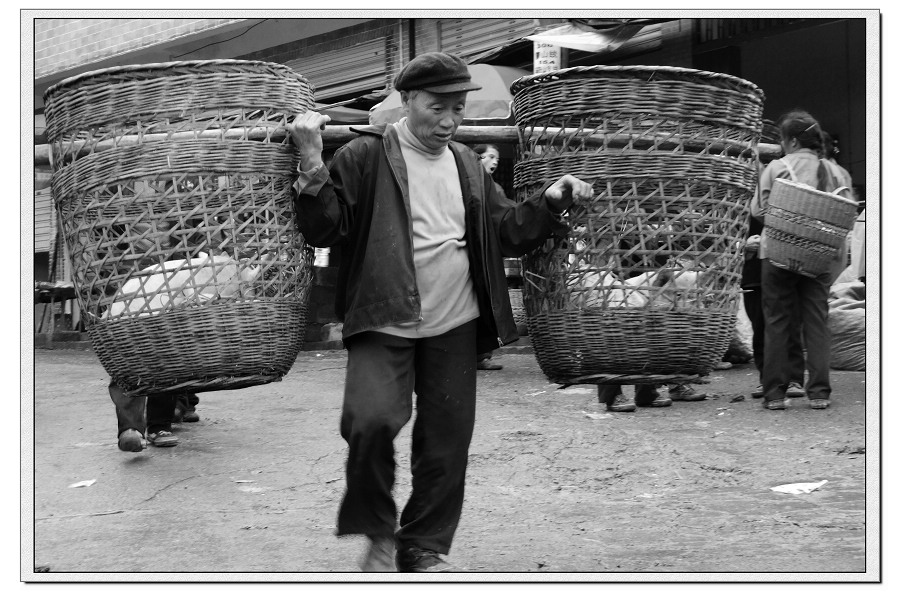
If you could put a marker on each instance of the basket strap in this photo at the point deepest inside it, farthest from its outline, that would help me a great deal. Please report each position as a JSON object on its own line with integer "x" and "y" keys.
{"x": 790, "y": 169}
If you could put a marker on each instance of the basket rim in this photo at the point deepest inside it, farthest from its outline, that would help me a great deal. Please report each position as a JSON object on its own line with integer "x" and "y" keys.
{"x": 809, "y": 189}
{"x": 527, "y": 80}
{"x": 137, "y": 68}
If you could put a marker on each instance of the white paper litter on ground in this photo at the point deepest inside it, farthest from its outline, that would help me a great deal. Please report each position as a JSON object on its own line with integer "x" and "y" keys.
{"x": 799, "y": 488}
{"x": 596, "y": 415}
{"x": 85, "y": 483}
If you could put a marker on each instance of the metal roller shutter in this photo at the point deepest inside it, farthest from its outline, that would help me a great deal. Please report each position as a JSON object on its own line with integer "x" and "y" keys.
{"x": 467, "y": 37}
{"x": 43, "y": 215}
{"x": 356, "y": 69}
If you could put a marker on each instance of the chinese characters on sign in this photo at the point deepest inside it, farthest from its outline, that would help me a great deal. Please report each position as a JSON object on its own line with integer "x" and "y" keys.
{"x": 546, "y": 57}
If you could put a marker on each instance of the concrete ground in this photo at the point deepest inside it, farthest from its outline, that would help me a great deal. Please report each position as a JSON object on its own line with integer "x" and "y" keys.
{"x": 558, "y": 489}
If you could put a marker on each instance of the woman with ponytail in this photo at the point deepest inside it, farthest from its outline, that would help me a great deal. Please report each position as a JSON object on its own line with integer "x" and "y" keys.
{"x": 787, "y": 294}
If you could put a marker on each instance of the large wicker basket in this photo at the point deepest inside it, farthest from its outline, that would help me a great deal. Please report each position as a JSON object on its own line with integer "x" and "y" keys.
{"x": 173, "y": 186}
{"x": 645, "y": 287}
{"x": 807, "y": 228}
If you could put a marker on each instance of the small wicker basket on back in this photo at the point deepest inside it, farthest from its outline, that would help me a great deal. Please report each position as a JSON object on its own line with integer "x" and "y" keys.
{"x": 806, "y": 228}
{"x": 173, "y": 186}
{"x": 645, "y": 287}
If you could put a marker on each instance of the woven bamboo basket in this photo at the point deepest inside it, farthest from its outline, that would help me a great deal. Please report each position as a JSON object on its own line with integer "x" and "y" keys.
{"x": 806, "y": 228}
{"x": 645, "y": 286}
{"x": 173, "y": 186}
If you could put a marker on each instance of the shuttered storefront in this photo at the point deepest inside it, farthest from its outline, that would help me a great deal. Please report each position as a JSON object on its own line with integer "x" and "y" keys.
{"x": 352, "y": 64}
{"x": 43, "y": 215}
{"x": 468, "y": 37}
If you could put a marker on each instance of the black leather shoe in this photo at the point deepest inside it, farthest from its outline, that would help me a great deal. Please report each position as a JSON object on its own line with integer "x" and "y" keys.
{"x": 419, "y": 560}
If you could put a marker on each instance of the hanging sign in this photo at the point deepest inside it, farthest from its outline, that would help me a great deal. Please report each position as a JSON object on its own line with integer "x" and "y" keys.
{"x": 547, "y": 57}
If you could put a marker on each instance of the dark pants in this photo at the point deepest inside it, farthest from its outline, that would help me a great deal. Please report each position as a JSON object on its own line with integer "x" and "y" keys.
{"x": 160, "y": 409}
{"x": 785, "y": 296}
{"x": 643, "y": 392}
{"x": 187, "y": 402}
{"x": 383, "y": 371}
{"x": 753, "y": 306}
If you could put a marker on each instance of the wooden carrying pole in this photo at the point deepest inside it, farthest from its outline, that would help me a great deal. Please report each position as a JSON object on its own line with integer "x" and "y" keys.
{"x": 337, "y": 135}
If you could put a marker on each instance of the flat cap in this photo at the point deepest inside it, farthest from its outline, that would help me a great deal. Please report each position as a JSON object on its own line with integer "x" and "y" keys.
{"x": 435, "y": 72}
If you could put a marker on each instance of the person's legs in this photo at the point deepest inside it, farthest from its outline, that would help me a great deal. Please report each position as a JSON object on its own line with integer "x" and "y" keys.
{"x": 607, "y": 393}
{"x": 814, "y": 303}
{"x": 795, "y": 354}
{"x": 754, "y": 310}
{"x": 160, "y": 411}
{"x": 614, "y": 399}
{"x": 131, "y": 418}
{"x": 445, "y": 418}
{"x": 160, "y": 414}
{"x": 779, "y": 289}
{"x": 646, "y": 395}
{"x": 186, "y": 408}
{"x": 377, "y": 404}
{"x": 129, "y": 409}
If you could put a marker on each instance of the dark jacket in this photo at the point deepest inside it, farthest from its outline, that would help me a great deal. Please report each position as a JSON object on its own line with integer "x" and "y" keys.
{"x": 364, "y": 207}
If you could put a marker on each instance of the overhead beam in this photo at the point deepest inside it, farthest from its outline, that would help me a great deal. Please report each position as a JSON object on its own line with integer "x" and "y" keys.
{"x": 337, "y": 135}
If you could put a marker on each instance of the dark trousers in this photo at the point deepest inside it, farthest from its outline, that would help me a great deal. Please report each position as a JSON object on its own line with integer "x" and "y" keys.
{"x": 785, "y": 296}
{"x": 130, "y": 410}
{"x": 753, "y": 306}
{"x": 643, "y": 392}
{"x": 383, "y": 371}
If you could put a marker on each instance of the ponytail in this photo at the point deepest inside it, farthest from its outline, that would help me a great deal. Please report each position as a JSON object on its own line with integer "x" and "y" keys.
{"x": 825, "y": 180}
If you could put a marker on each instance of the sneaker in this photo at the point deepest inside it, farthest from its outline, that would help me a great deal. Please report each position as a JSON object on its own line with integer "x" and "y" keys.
{"x": 778, "y": 404}
{"x": 758, "y": 392}
{"x": 487, "y": 365}
{"x": 162, "y": 439}
{"x": 658, "y": 402}
{"x": 420, "y": 560}
{"x": 795, "y": 390}
{"x": 131, "y": 440}
{"x": 685, "y": 393}
{"x": 654, "y": 401}
{"x": 380, "y": 555}
{"x": 819, "y": 403}
{"x": 621, "y": 403}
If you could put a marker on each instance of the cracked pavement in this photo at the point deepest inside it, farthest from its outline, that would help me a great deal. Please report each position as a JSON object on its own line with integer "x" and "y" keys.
{"x": 556, "y": 486}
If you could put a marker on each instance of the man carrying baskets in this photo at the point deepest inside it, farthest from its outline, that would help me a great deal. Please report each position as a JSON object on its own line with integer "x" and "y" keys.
{"x": 421, "y": 291}
{"x": 787, "y": 288}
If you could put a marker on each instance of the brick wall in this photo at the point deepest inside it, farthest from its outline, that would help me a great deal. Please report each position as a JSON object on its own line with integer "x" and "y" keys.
{"x": 61, "y": 44}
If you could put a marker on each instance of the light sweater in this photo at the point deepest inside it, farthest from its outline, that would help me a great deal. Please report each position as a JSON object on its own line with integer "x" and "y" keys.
{"x": 439, "y": 246}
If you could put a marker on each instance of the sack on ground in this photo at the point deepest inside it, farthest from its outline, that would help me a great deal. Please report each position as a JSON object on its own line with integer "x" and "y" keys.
{"x": 847, "y": 322}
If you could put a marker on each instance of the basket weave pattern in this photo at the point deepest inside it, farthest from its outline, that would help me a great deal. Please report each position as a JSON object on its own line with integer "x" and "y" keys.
{"x": 173, "y": 185}
{"x": 805, "y": 227}
{"x": 645, "y": 287}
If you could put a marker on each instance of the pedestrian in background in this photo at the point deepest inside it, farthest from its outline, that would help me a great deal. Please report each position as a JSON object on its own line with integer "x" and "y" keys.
{"x": 786, "y": 293}
{"x": 490, "y": 160}
{"x": 421, "y": 291}
{"x": 751, "y": 283}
